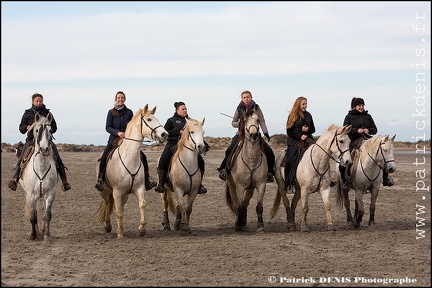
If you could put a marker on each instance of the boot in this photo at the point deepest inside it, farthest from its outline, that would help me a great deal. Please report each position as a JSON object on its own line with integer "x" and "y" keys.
{"x": 270, "y": 178}
{"x": 222, "y": 174}
{"x": 62, "y": 172}
{"x": 100, "y": 182}
{"x": 202, "y": 190}
{"x": 149, "y": 182}
{"x": 345, "y": 183}
{"x": 13, "y": 184}
{"x": 387, "y": 180}
{"x": 161, "y": 185}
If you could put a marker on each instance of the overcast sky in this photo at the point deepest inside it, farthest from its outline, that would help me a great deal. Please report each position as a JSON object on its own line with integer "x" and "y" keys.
{"x": 79, "y": 54}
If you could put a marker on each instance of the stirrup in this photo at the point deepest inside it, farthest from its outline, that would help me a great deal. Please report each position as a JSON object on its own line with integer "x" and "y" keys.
{"x": 346, "y": 186}
{"x": 150, "y": 184}
{"x": 13, "y": 184}
{"x": 222, "y": 174}
{"x": 332, "y": 183}
{"x": 99, "y": 185}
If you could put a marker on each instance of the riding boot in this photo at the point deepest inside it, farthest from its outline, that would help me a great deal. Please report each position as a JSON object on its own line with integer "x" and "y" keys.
{"x": 13, "y": 184}
{"x": 345, "y": 184}
{"x": 148, "y": 181}
{"x": 202, "y": 189}
{"x": 387, "y": 180}
{"x": 100, "y": 181}
{"x": 161, "y": 185}
{"x": 62, "y": 172}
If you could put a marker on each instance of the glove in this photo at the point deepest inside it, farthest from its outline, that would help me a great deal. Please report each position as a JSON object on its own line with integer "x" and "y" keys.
{"x": 267, "y": 136}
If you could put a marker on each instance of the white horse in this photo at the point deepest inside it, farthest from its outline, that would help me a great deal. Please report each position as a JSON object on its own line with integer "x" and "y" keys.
{"x": 125, "y": 171}
{"x": 247, "y": 174}
{"x": 313, "y": 174}
{"x": 38, "y": 177}
{"x": 184, "y": 176}
{"x": 374, "y": 156}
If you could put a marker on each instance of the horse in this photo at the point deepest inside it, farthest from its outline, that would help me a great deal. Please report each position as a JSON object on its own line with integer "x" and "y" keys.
{"x": 313, "y": 174}
{"x": 38, "y": 176}
{"x": 248, "y": 173}
{"x": 125, "y": 172}
{"x": 374, "y": 155}
{"x": 184, "y": 176}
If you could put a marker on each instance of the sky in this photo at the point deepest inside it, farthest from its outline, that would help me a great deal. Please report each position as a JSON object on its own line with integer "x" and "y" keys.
{"x": 79, "y": 54}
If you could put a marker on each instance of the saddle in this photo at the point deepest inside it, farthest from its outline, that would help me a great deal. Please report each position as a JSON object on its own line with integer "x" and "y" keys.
{"x": 301, "y": 147}
{"x": 351, "y": 170}
{"x": 233, "y": 155}
{"x": 26, "y": 157}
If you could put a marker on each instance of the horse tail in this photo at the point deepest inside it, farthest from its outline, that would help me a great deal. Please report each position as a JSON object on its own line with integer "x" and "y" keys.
{"x": 339, "y": 196}
{"x": 228, "y": 199}
{"x": 276, "y": 205}
{"x": 170, "y": 200}
{"x": 105, "y": 209}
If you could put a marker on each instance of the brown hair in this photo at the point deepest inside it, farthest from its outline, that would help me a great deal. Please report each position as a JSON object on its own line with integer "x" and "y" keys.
{"x": 120, "y": 92}
{"x": 295, "y": 113}
{"x": 36, "y": 95}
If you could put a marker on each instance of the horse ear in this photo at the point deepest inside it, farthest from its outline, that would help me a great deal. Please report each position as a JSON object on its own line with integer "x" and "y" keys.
{"x": 145, "y": 108}
{"x": 347, "y": 128}
{"x": 37, "y": 117}
{"x": 49, "y": 117}
{"x": 393, "y": 137}
{"x": 153, "y": 111}
{"x": 202, "y": 122}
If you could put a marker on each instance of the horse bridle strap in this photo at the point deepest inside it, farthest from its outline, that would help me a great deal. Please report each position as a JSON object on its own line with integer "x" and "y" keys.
{"x": 153, "y": 130}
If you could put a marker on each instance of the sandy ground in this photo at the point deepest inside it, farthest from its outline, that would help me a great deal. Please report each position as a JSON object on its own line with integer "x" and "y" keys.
{"x": 80, "y": 253}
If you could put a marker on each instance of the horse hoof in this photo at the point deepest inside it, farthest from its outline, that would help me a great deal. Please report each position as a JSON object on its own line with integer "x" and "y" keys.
{"x": 166, "y": 227}
{"x": 291, "y": 226}
{"x": 141, "y": 233}
{"x": 260, "y": 230}
{"x": 304, "y": 229}
{"x": 185, "y": 229}
{"x": 177, "y": 224}
{"x": 108, "y": 227}
{"x": 331, "y": 228}
{"x": 32, "y": 237}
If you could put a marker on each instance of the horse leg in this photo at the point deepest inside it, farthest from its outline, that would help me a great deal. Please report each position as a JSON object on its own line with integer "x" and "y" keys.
{"x": 294, "y": 203}
{"x": 47, "y": 217}
{"x": 184, "y": 227}
{"x": 359, "y": 209}
{"x": 241, "y": 217}
{"x": 141, "y": 204}
{"x": 325, "y": 195}
{"x": 260, "y": 223}
{"x": 33, "y": 220}
{"x": 346, "y": 202}
{"x": 165, "y": 222}
{"x": 305, "y": 209}
{"x": 119, "y": 205}
{"x": 374, "y": 196}
{"x": 177, "y": 222}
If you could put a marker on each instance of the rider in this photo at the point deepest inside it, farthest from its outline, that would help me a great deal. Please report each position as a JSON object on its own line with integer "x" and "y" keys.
{"x": 116, "y": 122}
{"x": 299, "y": 127}
{"x": 248, "y": 103}
{"x": 174, "y": 126}
{"x": 363, "y": 128}
{"x": 25, "y": 126}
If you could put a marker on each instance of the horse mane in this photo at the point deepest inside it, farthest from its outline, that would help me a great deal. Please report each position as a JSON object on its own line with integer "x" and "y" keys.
{"x": 333, "y": 127}
{"x": 371, "y": 143}
{"x": 246, "y": 115}
{"x": 185, "y": 134}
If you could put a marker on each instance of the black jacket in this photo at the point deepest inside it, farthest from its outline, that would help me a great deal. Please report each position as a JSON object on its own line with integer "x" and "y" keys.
{"x": 295, "y": 132}
{"x": 359, "y": 120}
{"x": 29, "y": 118}
{"x": 117, "y": 121}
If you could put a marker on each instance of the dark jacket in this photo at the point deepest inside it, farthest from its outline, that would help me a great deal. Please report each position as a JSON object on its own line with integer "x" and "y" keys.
{"x": 173, "y": 126}
{"x": 359, "y": 120}
{"x": 295, "y": 132}
{"x": 29, "y": 118}
{"x": 117, "y": 121}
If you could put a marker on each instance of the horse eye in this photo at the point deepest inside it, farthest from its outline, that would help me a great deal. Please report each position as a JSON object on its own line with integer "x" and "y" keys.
{"x": 149, "y": 119}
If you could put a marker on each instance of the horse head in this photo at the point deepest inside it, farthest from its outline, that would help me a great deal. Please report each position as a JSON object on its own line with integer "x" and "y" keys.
{"x": 193, "y": 135}
{"x": 251, "y": 125}
{"x": 152, "y": 127}
{"x": 340, "y": 145}
{"x": 42, "y": 133}
{"x": 386, "y": 148}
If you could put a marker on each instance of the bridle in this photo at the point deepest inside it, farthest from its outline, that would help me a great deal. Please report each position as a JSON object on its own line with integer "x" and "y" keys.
{"x": 384, "y": 167}
{"x": 153, "y": 130}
